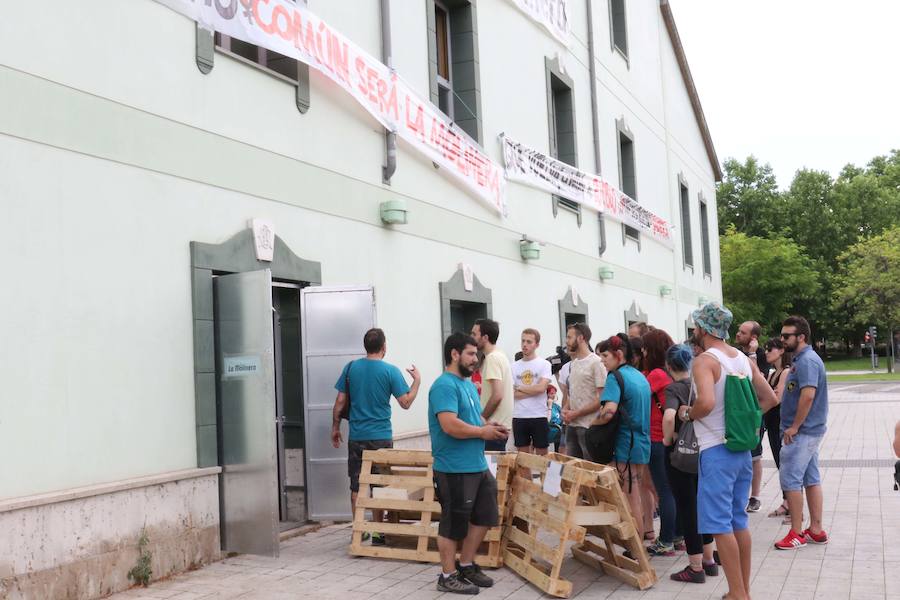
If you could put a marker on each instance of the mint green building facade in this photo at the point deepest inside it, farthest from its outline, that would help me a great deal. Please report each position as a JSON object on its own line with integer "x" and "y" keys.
{"x": 127, "y": 181}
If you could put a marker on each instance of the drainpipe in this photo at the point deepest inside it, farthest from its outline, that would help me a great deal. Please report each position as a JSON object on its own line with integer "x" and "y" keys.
{"x": 390, "y": 138}
{"x": 595, "y": 126}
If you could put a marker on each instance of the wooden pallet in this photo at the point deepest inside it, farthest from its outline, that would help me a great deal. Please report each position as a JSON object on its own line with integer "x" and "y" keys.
{"x": 406, "y": 492}
{"x": 603, "y": 546}
{"x": 536, "y": 551}
{"x": 590, "y": 500}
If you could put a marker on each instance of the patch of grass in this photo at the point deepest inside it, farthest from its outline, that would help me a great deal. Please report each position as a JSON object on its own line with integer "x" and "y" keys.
{"x": 869, "y": 377}
{"x": 843, "y": 363}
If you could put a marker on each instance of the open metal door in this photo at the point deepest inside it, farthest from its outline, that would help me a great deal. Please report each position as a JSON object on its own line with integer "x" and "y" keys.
{"x": 334, "y": 321}
{"x": 245, "y": 367}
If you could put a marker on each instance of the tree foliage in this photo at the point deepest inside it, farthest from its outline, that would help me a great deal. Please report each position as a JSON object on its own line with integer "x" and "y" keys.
{"x": 762, "y": 279}
{"x": 829, "y": 221}
{"x": 867, "y": 285}
{"x": 747, "y": 198}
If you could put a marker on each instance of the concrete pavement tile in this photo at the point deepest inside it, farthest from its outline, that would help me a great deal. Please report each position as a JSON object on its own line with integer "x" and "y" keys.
{"x": 797, "y": 595}
{"x": 658, "y": 595}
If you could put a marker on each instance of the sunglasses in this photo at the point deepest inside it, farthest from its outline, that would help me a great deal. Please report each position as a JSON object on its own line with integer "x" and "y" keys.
{"x": 786, "y": 336}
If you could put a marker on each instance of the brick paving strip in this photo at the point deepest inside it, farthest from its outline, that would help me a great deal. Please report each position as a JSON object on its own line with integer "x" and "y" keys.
{"x": 861, "y": 562}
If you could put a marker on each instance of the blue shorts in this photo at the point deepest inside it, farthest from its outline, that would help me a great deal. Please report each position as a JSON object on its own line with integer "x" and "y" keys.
{"x": 723, "y": 490}
{"x": 800, "y": 463}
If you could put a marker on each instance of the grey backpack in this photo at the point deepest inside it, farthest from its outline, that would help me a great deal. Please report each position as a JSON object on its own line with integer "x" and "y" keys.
{"x": 686, "y": 451}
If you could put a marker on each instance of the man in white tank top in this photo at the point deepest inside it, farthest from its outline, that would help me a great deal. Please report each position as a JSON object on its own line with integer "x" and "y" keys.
{"x": 725, "y": 476}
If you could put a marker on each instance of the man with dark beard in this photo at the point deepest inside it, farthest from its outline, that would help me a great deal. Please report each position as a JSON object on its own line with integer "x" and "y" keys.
{"x": 804, "y": 414}
{"x": 465, "y": 487}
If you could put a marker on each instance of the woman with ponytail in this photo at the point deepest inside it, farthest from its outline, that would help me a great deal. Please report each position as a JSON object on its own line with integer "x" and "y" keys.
{"x": 627, "y": 394}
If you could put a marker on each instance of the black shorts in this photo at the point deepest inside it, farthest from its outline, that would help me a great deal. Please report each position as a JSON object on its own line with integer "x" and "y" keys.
{"x": 465, "y": 498}
{"x": 531, "y": 432}
{"x": 355, "y": 454}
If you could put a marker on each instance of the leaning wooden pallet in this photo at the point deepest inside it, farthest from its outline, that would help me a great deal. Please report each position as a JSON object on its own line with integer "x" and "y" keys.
{"x": 602, "y": 547}
{"x": 400, "y": 482}
{"x": 586, "y": 501}
{"x": 527, "y": 550}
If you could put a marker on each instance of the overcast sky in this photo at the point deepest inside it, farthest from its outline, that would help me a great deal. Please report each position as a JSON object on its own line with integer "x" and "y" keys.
{"x": 797, "y": 83}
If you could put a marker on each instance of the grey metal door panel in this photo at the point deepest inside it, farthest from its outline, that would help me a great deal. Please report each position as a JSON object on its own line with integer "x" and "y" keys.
{"x": 246, "y": 389}
{"x": 334, "y": 323}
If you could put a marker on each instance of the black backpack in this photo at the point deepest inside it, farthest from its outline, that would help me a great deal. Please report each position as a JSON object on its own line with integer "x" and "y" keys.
{"x": 601, "y": 439}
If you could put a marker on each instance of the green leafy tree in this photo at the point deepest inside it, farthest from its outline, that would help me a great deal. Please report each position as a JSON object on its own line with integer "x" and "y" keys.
{"x": 763, "y": 279}
{"x": 748, "y": 198}
{"x": 867, "y": 285}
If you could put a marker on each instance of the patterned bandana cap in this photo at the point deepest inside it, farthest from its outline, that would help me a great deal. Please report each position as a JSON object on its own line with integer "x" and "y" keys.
{"x": 713, "y": 318}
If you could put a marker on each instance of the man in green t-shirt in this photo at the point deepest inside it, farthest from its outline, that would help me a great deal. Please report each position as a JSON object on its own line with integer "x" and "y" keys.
{"x": 372, "y": 382}
{"x": 465, "y": 487}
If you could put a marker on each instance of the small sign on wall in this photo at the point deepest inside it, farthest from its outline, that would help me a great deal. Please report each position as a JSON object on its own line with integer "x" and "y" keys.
{"x": 241, "y": 366}
{"x": 263, "y": 239}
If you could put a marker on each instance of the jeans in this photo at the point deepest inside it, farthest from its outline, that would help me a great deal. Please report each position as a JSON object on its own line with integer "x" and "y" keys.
{"x": 576, "y": 442}
{"x": 684, "y": 489}
{"x": 800, "y": 463}
{"x": 667, "y": 510}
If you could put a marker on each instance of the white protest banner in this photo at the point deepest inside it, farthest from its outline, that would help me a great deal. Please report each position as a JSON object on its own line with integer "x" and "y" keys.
{"x": 553, "y": 15}
{"x": 531, "y": 167}
{"x": 293, "y": 30}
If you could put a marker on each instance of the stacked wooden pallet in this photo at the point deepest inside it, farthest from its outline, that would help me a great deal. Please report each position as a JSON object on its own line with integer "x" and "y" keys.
{"x": 586, "y": 499}
{"x": 400, "y": 482}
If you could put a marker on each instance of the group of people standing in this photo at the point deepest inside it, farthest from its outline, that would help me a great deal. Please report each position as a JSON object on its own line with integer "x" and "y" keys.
{"x": 681, "y": 423}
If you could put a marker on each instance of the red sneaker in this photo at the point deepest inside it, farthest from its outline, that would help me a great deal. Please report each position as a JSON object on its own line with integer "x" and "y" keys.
{"x": 791, "y": 541}
{"x": 815, "y": 538}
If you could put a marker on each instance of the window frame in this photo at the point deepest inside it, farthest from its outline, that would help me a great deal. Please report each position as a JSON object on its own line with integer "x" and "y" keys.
{"x": 553, "y": 71}
{"x": 444, "y": 84}
{"x": 464, "y": 85}
{"x": 705, "y": 242}
{"x": 222, "y": 44}
{"x": 623, "y": 52}
{"x": 687, "y": 238}
{"x": 629, "y": 233}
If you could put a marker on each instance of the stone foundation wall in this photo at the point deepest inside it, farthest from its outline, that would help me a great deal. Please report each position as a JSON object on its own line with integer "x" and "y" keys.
{"x": 80, "y": 544}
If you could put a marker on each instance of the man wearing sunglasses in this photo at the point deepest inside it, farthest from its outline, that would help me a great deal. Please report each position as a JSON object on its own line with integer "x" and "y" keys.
{"x": 804, "y": 413}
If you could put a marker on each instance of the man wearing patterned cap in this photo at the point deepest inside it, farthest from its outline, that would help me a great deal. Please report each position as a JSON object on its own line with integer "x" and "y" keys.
{"x": 725, "y": 475}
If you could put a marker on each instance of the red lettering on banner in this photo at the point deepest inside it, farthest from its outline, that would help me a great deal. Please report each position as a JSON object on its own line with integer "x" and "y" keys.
{"x": 361, "y": 69}
{"x": 387, "y": 102}
{"x": 451, "y": 147}
{"x": 280, "y": 15}
{"x": 309, "y": 41}
{"x": 338, "y": 60}
{"x": 319, "y": 43}
{"x": 418, "y": 125}
{"x": 267, "y": 28}
{"x": 371, "y": 84}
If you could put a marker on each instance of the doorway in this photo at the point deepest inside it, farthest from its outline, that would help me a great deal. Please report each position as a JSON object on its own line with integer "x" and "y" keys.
{"x": 249, "y": 386}
{"x": 289, "y": 426}
{"x": 464, "y": 314}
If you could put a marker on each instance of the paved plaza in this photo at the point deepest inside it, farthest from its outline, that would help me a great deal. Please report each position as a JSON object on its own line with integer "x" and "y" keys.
{"x": 862, "y": 560}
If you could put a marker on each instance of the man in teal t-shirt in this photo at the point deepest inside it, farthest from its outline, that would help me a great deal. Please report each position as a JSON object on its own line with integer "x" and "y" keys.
{"x": 465, "y": 487}
{"x": 372, "y": 382}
